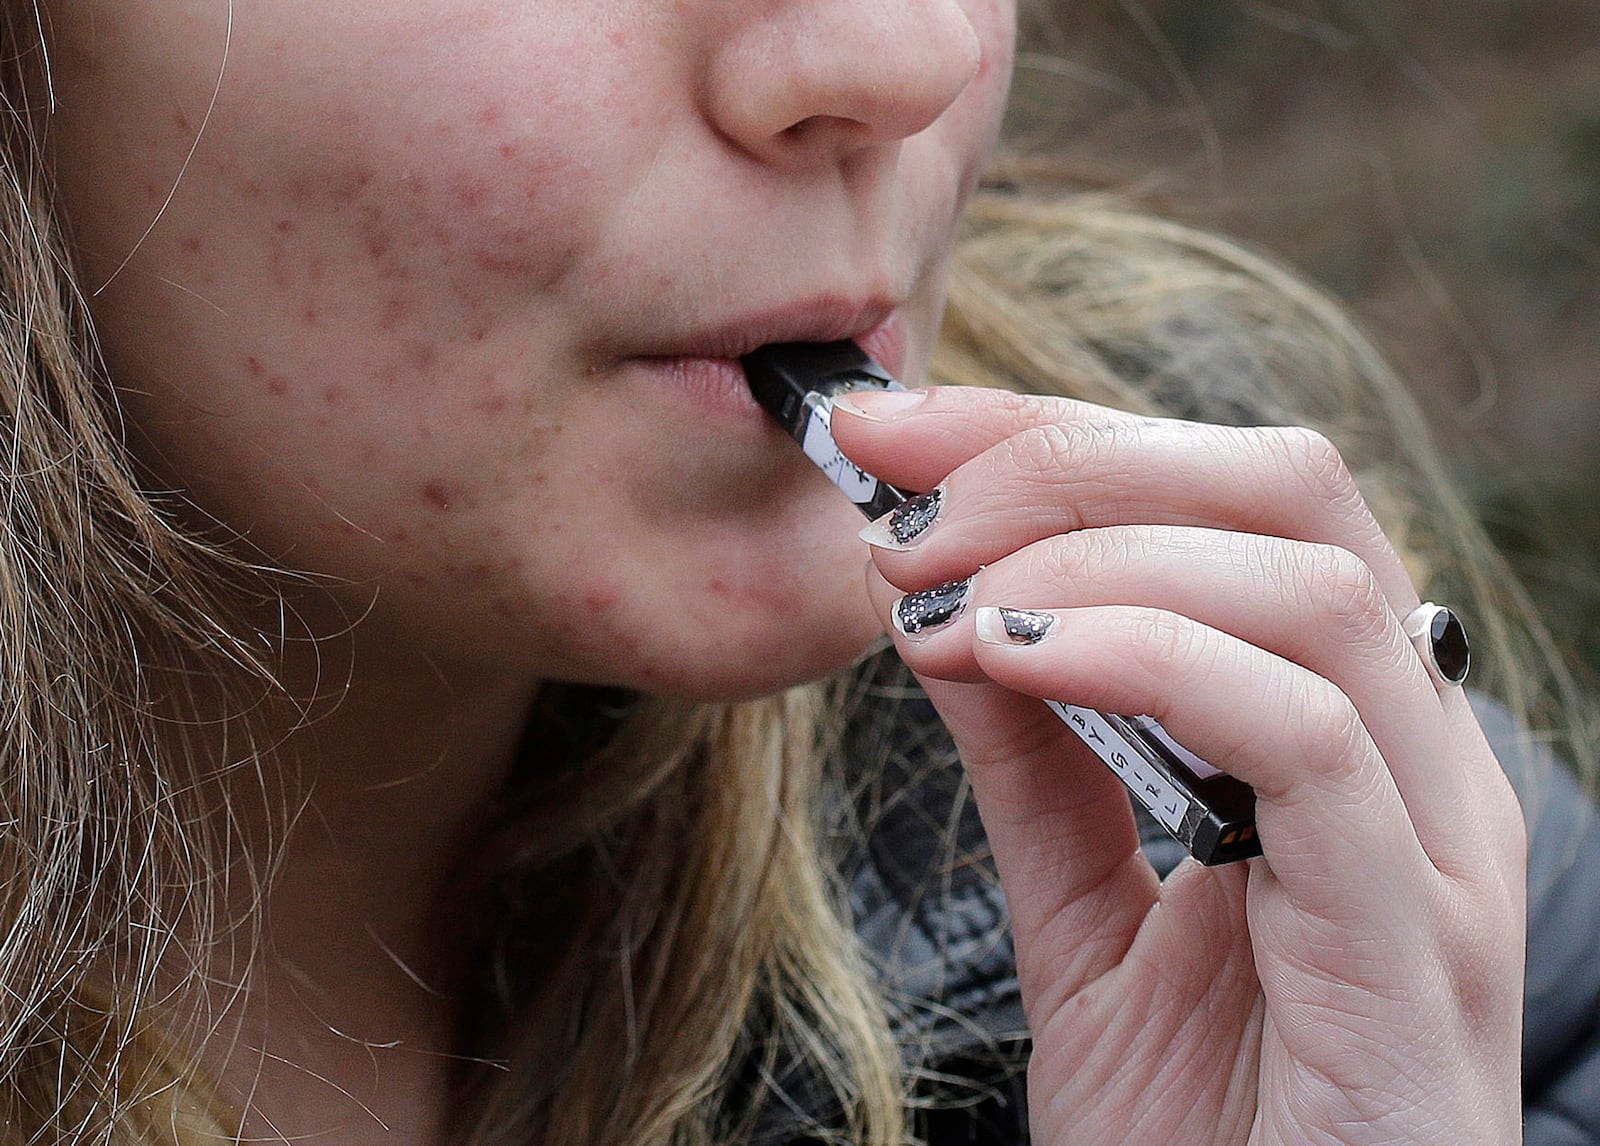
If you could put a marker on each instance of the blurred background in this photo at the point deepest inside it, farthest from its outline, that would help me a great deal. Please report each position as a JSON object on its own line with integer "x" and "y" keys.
{"x": 1436, "y": 163}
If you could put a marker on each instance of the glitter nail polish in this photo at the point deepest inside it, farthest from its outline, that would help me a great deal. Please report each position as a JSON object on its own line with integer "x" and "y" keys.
{"x": 911, "y": 518}
{"x": 930, "y": 608}
{"x": 1026, "y": 626}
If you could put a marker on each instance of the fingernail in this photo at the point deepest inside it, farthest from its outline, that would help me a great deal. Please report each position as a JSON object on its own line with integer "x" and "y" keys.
{"x": 926, "y": 609}
{"x": 1003, "y": 626}
{"x": 907, "y": 521}
{"x": 879, "y": 405}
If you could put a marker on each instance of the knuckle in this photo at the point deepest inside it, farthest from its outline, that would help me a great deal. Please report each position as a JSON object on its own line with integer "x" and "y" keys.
{"x": 1059, "y": 559}
{"x": 1054, "y": 466}
{"x": 1164, "y": 643}
{"x": 1042, "y": 453}
{"x": 1093, "y": 556}
{"x": 1336, "y": 735}
{"x": 1050, "y": 451}
{"x": 1022, "y": 409}
{"x": 1345, "y": 593}
{"x": 1317, "y": 464}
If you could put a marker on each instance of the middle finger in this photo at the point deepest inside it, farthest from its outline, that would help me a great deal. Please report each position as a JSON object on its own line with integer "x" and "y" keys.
{"x": 1053, "y": 479}
{"x": 1314, "y": 605}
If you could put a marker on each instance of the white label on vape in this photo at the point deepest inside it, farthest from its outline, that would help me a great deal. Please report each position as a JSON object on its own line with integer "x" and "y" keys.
{"x": 1202, "y": 769}
{"x": 1153, "y": 790}
{"x": 859, "y": 486}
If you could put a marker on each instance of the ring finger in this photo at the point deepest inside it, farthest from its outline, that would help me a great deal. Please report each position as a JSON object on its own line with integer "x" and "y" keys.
{"x": 1315, "y": 606}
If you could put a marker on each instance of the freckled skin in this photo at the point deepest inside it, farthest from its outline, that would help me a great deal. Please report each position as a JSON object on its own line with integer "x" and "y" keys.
{"x": 407, "y": 256}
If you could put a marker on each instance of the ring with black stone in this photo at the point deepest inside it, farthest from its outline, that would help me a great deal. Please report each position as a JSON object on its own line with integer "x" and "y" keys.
{"x": 1441, "y": 641}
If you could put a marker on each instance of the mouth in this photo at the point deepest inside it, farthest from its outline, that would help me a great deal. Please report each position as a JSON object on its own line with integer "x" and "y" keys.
{"x": 822, "y": 320}
{"x": 704, "y": 363}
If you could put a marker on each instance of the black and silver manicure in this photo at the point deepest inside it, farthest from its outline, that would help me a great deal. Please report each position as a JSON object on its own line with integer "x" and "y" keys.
{"x": 931, "y": 608}
{"x": 1026, "y": 626}
{"x": 1209, "y": 812}
{"x": 910, "y": 519}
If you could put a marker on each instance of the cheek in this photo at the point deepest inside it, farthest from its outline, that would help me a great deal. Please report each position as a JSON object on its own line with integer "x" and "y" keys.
{"x": 355, "y": 285}
{"x": 435, "y": 143}
{"x": 495, "y": 188}
{"x": 356, "y": 351}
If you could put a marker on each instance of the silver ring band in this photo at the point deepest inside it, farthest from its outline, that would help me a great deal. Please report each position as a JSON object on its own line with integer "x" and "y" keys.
{"x": 1441, "y": 641}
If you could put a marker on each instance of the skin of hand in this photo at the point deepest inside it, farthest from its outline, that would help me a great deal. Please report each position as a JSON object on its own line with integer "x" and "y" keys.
{"x": 1361, "y": 982}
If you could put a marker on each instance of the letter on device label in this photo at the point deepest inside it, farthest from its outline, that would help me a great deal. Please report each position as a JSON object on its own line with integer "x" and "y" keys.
{"x": 1154, "y": 791}
{"x": 819, "y": 446}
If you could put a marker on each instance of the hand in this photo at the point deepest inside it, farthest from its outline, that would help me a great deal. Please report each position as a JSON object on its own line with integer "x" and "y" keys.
{"x": 1362, "y": 981}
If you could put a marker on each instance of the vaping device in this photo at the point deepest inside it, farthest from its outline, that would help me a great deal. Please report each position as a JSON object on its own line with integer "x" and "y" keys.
{"x": 1209, "y": 812}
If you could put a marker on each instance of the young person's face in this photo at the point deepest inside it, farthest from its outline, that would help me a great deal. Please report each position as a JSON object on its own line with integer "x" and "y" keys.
{"x": 441, "y": 297}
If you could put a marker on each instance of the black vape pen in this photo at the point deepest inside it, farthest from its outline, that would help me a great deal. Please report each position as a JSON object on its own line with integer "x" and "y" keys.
{"x": 1209, "y": 812}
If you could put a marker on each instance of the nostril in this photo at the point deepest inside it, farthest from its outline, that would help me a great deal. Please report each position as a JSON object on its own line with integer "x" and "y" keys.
{"x": 795, "y": 133}
{"x": 836, "y": 126}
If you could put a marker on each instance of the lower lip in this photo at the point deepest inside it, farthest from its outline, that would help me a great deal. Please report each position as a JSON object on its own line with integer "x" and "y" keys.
{"x": 886, "y": 343}
{"x": 718, "y": 384}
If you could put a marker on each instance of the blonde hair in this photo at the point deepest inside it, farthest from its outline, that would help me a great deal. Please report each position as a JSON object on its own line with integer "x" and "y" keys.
{"x": 656, "y": 915}
{"x": 103, "y": 606}
{"x": 685, "y": 896}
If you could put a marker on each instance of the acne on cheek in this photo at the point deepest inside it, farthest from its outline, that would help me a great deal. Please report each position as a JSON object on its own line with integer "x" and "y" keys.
{"x": 455, "y": 398}
{"x": 492, "y": 404}
{"x": 753, "y": 594}
{"x": 437, "y": 496}
{"x": 474, "y": 211}
{"x": 435, "y": 226}
{"x": 487, "y": 200}
{"x": 601, "y": 597}
{"x": 275, "y": 384}
{"x": 592, "y": 609}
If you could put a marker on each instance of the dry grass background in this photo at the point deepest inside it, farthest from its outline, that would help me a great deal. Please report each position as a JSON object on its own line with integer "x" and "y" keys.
{"x": 1434, "y": 162}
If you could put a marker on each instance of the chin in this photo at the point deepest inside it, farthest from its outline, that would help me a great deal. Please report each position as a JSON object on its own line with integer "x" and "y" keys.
{"x": 759, "y": 662}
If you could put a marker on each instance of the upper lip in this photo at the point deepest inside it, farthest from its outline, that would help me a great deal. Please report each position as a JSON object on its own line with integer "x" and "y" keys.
{"x": 825, "y": 319}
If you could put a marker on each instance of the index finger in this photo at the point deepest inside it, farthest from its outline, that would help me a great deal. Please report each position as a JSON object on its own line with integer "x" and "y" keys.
{"x": 947, "y": 426}
{"x": 1024, "y": 467}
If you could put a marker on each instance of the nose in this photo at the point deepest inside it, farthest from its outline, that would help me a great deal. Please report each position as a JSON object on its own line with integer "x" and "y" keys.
{"x": 801, "y": 82}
